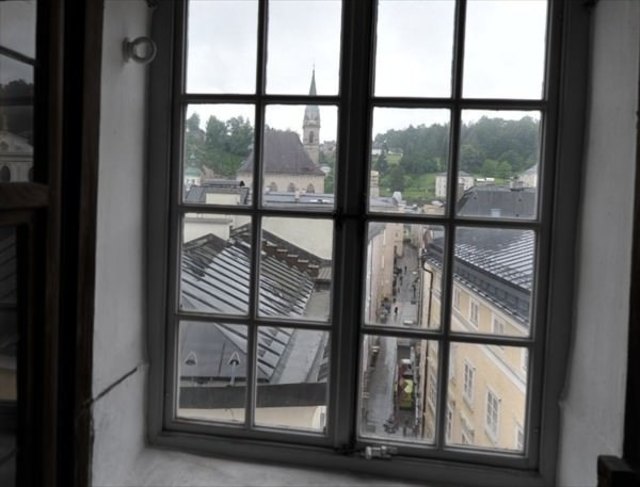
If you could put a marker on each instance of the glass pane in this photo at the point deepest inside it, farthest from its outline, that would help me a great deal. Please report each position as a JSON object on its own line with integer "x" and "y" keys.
{"x": 292, "y": 375}
{"x": 222, "y": 46}
{"x": 299, "y": 157}
{"x": 18, "y": 26}
{"x": 212, "y": 368}
{"x": 505, "y": 49}
{"x": 296, "y": 268}
{"x": 216, "y": 263}
{"x": 410, "y": 149}
{"x": 414, "y": 48}
{"x": 8, "y": 315}
{"x": 218, "y": 156}
{"x": 398, "y": 388}
{"x": 487, "y": 397}
{"x": 16, "y": 120}
{"x": 499, "y": 164}
{"x": 8, "y": 354}
{"x": 304, "y": 47}
{"x": 493, "y": 281}
{"x": 404, "y": 275}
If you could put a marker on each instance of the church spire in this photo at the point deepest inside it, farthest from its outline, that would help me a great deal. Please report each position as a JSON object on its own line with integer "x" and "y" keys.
{"x": 311, "y": 124}
{"x": 312, "y": 88}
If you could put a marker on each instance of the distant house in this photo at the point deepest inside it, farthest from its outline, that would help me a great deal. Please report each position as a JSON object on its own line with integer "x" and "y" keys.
{"x": 529, "y": 178}
{"x": 465, "y": 179}
{"x": 16, "y": 158}
{"x": 287, "y": 166}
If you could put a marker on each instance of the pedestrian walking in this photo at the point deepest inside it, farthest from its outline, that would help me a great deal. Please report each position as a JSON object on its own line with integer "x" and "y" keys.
{"x": 395, "y": 313}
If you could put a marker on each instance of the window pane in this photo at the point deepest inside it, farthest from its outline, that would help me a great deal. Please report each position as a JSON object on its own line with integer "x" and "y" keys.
{"x": 493, "y": 280}
{"x": 8, "y": 315}
{"x": 16, "y": 120}
{"x": 414, "y": 48}
{"x": 8, "y": 353}
{"x": 409, "y": 155}
{"x": 499, "y": 164}
{"x": 221, "y": 46}
{"x": 292, "y": 375}
{"x": 216, "y": 263}
{"x": 296, "y": 268}
{"x": 504, "y": 49}
{"x": 488, "y": 396}
{"x": 398, "y": 388}
{"x": 212, "y": 365}
{"x": 18, "y": 27}
{"x": 304, "y": 47}
{"x": 218, "y": 156}
{"x": 404, "y": 281}
{"x": 299, "y": 157}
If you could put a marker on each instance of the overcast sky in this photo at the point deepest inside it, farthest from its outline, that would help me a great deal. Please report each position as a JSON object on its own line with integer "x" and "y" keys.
{"x": 17, "y": 32}
{"x": 504, "y": 50}
{"x": 504, "y": 53}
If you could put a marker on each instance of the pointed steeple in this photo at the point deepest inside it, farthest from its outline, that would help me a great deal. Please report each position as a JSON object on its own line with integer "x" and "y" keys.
{"x": 312, "y": 88}
{"x": 311, "y": 124}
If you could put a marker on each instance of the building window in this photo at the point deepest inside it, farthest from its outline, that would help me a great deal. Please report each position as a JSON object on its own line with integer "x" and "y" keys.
{"x": 456, "y": 297}
{"x": 519, "y": 438}
{"x": 469, "y": 379}
{"x": 449, "y": 431}
{"x": 474, "y": 311}
{"x": 492, "y": 416}
{"x": 498, "y": 325}
{"x": 271, "y": 291}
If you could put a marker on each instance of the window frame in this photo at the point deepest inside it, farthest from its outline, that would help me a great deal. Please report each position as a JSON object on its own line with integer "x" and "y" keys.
{"x": 553, "y": 249}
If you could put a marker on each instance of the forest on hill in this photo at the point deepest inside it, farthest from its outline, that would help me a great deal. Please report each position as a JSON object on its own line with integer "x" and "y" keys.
{"x": 407, "y": 159}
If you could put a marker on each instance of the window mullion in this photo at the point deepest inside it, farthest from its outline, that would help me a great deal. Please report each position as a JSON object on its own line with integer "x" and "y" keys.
{"x": 353, "y": 143}
{"x": 452, "y": 189}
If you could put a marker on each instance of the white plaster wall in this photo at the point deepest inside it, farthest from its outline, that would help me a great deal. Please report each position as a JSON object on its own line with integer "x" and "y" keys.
{"x": 593, "y": 408}
{"x": 120, "y": 296}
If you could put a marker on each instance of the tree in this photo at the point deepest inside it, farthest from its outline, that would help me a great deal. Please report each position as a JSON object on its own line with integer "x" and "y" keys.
{"x": 396, "y": 178}
{"x": 381, "y": 164}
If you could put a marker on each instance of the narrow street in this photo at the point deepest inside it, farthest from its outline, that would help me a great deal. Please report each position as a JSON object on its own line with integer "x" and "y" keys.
{"x": 382, "y": 407}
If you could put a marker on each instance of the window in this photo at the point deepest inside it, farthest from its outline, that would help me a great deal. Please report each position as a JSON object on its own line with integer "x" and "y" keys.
{"x": 469, "y": 378}
{"x": 474, "y": 310}
{"x": 492, "y": 416}
{"x": 498, "y": 326}
{"x": 519, "y": 438}
{"x": 449, "y": 431}
{"x": 456, "y": 297}
{"x": 296, "y": 303}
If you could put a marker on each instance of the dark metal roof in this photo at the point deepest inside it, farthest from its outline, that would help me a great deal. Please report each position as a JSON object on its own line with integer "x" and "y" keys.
{"x": 497, "y": 263}
{"x": 215, "y": 278}
{"x": 198, "y": 194}
{"x": 283, "y": 153}
{"x": 498, "y": 201}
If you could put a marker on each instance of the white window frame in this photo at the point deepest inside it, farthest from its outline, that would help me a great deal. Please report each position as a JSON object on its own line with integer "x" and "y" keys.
{"x": 555, "y": 246}
{"x": 456, "y": 296}
{"x": 474, "y": 312}
{"x": 468, "y": 383}
{"x": 498, "y": 325}
{"x": 492, "y": 415}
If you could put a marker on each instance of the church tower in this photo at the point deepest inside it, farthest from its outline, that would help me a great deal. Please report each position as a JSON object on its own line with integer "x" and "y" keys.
{"x": 311, "y": 125}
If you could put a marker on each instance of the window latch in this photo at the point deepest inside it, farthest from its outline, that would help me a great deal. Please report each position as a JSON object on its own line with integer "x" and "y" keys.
{"x": 383, "y": 451}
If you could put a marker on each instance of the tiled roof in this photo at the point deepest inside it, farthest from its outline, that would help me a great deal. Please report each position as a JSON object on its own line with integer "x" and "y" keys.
{"x": 283, "y": 153}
